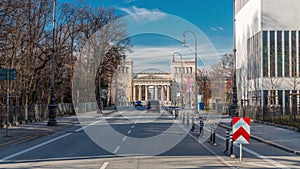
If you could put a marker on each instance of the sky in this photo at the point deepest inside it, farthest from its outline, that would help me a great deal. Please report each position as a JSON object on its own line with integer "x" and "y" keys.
{"x": 156, "y": 29}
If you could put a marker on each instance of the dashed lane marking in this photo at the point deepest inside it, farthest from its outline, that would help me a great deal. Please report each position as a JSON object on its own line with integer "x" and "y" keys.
{"x": 124, "y": 138}
{"x": 117, "y": 149}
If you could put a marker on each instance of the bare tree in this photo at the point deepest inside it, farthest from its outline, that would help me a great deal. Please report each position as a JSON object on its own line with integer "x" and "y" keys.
{"x": 26, "y": 44}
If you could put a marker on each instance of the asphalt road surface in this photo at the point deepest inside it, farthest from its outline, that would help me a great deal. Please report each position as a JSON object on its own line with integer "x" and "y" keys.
{"x": 133, "y": 138}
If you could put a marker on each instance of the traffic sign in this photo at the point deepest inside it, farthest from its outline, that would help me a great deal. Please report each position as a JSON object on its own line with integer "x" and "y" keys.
{"x": 241, "y": 130}
{"x": 201, "y": 105}
{"x": 8, "y": 74}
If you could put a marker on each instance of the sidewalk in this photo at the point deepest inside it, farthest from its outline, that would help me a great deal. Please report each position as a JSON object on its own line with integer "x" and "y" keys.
{"x": 34, "y": 130}
{"x": 284, "y": 139}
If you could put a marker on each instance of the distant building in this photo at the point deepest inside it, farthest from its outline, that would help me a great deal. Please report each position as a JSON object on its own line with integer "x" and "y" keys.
{"x": 166, "y": 87}
{"x": 268, "y": 51}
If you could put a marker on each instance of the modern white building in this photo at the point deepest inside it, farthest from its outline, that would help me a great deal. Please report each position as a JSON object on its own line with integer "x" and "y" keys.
{"x": 268, "y": 51}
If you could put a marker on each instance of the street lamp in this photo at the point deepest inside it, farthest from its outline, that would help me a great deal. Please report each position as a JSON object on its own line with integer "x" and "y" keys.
{"x": 195, "y": 82}
{"x": 181, "y": 78}
{"x": 52, "y": 105}
{"x": 234, "y": 88}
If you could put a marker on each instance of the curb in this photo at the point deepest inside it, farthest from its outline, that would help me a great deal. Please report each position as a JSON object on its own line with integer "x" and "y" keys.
{"x": 296, "y": 152}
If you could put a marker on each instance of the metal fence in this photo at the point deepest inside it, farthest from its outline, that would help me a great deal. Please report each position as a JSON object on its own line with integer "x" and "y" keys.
{"x": 32, "y": 112}
{"x": 287, "y": 116}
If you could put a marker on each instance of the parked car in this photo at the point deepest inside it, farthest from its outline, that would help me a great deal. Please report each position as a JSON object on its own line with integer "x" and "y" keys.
{"x": 173, "y": 109}
{"x": 153, "y": 106}
{"x": 138, "y": 104}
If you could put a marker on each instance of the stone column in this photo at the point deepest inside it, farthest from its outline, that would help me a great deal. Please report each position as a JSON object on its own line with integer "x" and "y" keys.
{"x": 146, "y": 93}
{"x": 162, "y": 93}
{"x": 134, "y": 93}
{"x": 140, "y": 92}
{"x": 168, "y": 93}
{"x": 155, "y": 92}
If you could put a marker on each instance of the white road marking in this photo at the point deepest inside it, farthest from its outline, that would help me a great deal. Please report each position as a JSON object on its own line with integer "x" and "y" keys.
{"x": 104, "y": 165}
{"x": 219, "y": 157}
{"x": 124, "y": 138}
{"x": 132, "y": 127}
{"x": 82, "y": 128}
{"x": 129, "y": 132}
{"x": 34, "y": 147}
{"x": 270, "y": 161}
{"x": 117, "y": 149}
{"x": 63, "y": 158}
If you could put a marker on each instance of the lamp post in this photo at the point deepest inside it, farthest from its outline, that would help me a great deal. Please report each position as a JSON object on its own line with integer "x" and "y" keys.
{"x": 234, "y": 88}
{"x": 181, "y": 77}
{"x": 195, "y": 82}
{"x": 52, "y": 105}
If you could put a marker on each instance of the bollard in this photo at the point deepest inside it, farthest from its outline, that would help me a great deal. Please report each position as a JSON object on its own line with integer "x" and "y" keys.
{"x": 193, "y": 125}
{"x": 231, "y": 146}
{"x": 183, "y": 118}
{"x": 214, "y": 138}
{"x": 201, "y": 128}
{"x": 188, "y": 119}
{"x": 227, "y": 142}
{"x": 176, "y": 114}
{"x": 210, "y": 138}
{"x": 193, "y": 121}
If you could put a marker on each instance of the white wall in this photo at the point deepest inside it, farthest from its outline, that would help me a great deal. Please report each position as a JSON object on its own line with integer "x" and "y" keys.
{"x": 248, "y": 21}
{"x": 281, "y": 14}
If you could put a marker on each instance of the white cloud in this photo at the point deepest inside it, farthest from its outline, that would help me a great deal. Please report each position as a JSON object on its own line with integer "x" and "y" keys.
{"x": 220, "y": 28}
{"x": 217, "y": 28}
{"x": 213, "y": 29}
{"x": 129, "y": 1}
{"x": 143, "y": 14}
{"x": 147, "y": 57}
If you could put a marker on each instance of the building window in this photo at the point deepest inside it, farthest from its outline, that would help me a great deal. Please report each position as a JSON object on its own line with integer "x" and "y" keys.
{"x": 265, "y": 54}
{"x": 287, "y": 100}
{"x": 265, "y": 96}
{"x": 279, "y": 53}
{"x": 294, "y": 53}
{"x": 280, "y": 97}
{"x": 286, "y": 54}
{"x": 258, "y": 48}
{"x": 299, "y": 50}
{"x": 272, "y": 53}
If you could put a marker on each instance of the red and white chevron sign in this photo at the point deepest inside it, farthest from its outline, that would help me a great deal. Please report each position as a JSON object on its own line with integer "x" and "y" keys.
{"x": 241, "y": 130}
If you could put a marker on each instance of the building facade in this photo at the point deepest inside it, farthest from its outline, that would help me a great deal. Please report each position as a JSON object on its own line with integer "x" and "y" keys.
{"x": 183, "y": 72}
{"x": 174, "y": 88}
{"x": 268, "y": 52}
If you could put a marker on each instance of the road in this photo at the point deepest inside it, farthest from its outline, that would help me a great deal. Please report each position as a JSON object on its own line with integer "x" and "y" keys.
{"x": 136, "y": 139}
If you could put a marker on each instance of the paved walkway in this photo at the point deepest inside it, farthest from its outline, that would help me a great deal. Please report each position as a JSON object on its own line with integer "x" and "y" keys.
{"x": 285, "y": 139}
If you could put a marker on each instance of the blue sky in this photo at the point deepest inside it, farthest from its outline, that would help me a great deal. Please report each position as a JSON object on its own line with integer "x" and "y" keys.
{"x": 160, "y": 32}
{"x": 213, "y": 17}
